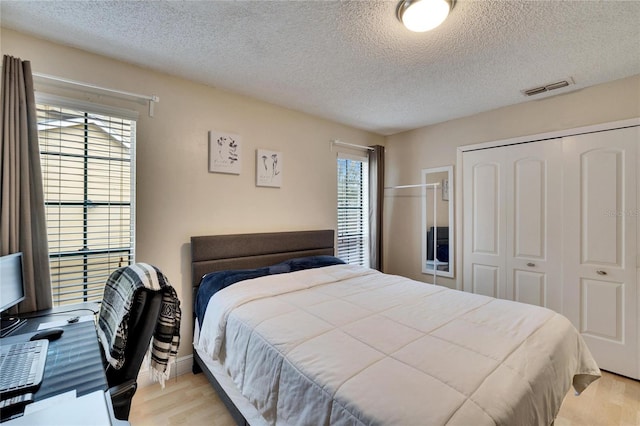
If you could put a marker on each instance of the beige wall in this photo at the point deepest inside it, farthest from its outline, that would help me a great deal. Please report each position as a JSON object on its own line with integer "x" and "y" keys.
{"x": 432, "y": 146}
{"x": 176, "y": 196}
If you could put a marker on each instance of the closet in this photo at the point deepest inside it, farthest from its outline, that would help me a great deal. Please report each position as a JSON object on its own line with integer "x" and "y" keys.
{"x": 553, "y": 222}
{"x": 511, "y": 232}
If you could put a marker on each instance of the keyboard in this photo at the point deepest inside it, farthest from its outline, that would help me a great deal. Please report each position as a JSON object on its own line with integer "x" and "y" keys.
{"x": 22, "y": 366}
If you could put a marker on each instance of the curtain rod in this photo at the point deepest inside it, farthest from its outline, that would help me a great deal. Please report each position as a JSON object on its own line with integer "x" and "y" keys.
{"x": 420, "y": 185}
{"x": 351, "y": 145}
{"x": 65, "y": 81}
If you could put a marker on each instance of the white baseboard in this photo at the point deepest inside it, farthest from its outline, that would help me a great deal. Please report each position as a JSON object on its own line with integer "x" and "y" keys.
{"x": 179, "y": 367}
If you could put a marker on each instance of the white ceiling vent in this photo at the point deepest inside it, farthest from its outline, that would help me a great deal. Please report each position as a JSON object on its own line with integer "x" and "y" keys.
{"x": 548, "y": 87}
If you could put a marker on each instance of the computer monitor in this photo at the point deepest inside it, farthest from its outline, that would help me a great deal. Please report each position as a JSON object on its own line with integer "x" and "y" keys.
{"x": 11, "y": 289}
{"x": 442, "y": 244}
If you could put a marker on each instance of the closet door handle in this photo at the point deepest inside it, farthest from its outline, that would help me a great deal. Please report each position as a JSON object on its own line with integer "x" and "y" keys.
{"x": 601, "y": 272}
{"x": 531, "y": 264}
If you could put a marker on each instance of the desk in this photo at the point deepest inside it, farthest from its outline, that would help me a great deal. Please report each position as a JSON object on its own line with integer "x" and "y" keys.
{"x": 59, "y": 313}
{"x": 442, "y": 266}
{"x": 74, "y": 361}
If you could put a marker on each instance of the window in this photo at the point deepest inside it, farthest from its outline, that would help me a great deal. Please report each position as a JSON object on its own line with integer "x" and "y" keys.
{"x": 353, "y": 209}
{"x": 87, "y": 170}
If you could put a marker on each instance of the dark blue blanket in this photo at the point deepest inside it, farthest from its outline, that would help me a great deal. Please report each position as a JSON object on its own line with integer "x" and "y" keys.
{"x": 216, "y": 281}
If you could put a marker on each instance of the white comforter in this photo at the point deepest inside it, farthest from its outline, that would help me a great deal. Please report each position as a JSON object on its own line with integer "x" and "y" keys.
{"x": 349, "y": 345}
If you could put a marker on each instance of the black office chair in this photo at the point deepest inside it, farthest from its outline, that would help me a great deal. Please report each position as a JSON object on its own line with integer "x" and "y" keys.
{"x": 142, "y": 322}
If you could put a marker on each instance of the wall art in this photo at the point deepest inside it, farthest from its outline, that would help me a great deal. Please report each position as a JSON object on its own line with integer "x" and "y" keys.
{"x": 445, "y": 189}
{"x": 268, "y": 168}
{"x": 225, "y": 154}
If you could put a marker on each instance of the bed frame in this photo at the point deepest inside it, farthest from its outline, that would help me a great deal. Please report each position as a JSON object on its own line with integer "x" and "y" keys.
{"x": 246, "y": 251}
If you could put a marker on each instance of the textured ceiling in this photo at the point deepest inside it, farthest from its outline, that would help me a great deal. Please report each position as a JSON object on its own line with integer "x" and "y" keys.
{"x": 352, "y": 61}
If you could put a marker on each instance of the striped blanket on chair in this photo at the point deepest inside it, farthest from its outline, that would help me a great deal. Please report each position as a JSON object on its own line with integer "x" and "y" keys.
{"x": 120, "y": 292}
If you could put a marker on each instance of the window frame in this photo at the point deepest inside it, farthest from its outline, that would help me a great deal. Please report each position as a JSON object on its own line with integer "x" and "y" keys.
{"x": 362, "y": 257}
{"x": 57, "y": 285}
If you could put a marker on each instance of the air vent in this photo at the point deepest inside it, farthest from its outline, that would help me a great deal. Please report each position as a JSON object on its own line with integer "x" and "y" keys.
{"x": 548, "y": 87}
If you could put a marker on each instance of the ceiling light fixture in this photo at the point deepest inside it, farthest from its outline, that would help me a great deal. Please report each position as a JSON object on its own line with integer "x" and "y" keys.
{"x": 423, "y": 15}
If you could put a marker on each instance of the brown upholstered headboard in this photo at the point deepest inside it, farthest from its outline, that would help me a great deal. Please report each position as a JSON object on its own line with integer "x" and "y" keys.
{"x": 245, "y": 251}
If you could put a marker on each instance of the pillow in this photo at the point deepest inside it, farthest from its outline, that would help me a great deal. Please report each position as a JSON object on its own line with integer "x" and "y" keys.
{"x": 279, "y": 268}
{"x": 310, "y": 262}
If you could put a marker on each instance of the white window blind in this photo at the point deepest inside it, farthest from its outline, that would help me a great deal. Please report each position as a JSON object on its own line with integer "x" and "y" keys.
{"x": 353, "y": 209}
{"x": 87, "y": 169}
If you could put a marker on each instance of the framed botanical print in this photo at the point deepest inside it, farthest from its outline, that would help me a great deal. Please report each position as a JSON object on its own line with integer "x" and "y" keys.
{"x": 268, "y": 168}
{"x": 225, "y": 155}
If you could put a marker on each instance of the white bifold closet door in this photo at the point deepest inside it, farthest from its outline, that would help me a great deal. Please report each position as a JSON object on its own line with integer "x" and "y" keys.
{"x": 512, "y": 222}
{"x": 555, "y": 223}
{"x": 600, "y": 235}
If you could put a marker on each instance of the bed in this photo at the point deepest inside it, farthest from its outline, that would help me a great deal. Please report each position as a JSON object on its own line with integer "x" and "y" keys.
{"x": 340, "y": 344}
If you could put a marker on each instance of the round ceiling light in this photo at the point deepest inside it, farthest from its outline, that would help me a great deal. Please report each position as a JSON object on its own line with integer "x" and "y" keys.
{"x": 423, "y": 15}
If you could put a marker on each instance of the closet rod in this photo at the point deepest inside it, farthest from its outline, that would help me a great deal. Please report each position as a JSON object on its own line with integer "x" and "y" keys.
{"x": 435, "y": 220}
{"x": 67, "y": 82}
{"x": 420, "y": 185}
{"x": 351, "y": 145}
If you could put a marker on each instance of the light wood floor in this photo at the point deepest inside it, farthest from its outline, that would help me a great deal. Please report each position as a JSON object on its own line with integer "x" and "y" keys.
{"x": 190, "y": 400}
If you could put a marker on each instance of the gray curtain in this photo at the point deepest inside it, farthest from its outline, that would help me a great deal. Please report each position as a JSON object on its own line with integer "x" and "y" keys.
{"x": 22, "y": 217}
{"x": 376, "y": 197}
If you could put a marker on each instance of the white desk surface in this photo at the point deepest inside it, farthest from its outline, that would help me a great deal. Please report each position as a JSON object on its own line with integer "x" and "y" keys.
{"x": 66, "y": 410}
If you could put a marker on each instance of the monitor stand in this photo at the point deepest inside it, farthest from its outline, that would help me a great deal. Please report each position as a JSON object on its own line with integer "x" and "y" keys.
{"x": 10, "y": 324}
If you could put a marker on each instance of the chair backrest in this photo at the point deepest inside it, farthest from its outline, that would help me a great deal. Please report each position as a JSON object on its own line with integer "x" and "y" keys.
{"x": 143, "y": 318}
